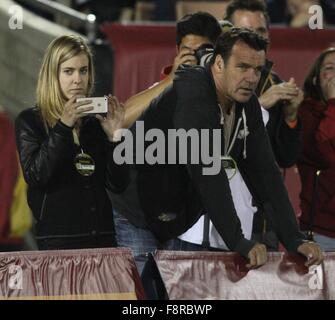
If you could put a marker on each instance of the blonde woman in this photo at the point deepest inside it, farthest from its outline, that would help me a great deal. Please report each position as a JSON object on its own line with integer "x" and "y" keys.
{"x": 66, "y": 156}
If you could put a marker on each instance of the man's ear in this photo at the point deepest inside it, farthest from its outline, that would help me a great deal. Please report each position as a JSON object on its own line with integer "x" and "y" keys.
{"x": 314, "y": 81}
{"x": 219, "y": 63}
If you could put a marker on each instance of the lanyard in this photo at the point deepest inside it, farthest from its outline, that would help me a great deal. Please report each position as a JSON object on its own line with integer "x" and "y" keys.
{"x": 83, "y": 162}
{"x": 76, "y": 140}
{"x": 227, "y": 131}
{"x": 227, "y": 161}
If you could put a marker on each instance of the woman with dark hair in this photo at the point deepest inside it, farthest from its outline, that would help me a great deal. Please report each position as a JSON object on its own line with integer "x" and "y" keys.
{"x": 317, "y": 165}
{"x": 66, "y": 155}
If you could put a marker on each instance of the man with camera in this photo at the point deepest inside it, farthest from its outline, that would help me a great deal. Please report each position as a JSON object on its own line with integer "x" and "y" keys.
{"x": 192, "y": 31}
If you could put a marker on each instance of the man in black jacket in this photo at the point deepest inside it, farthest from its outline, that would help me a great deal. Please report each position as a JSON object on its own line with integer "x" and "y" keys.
{"x": 192, "y": 31}
{"x": 222, "y": 97}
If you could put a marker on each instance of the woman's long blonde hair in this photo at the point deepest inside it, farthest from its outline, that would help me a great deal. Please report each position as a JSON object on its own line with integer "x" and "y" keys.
{"x": 49, "y": 97}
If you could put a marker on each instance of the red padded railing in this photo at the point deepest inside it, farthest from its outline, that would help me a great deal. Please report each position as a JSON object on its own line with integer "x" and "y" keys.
{"x": 108, "y": 273}
{"x": 216, "y": 275}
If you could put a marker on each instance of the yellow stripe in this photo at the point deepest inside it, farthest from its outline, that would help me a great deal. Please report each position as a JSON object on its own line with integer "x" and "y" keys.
{"x": 269, "y": 78}
{"x": 93, "y": 296}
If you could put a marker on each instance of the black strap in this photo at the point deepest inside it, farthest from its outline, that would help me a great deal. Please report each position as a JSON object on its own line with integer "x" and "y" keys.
{"x": 205, "y": 238}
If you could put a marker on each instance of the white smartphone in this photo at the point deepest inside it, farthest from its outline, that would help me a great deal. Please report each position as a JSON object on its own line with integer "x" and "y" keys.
{"x": 100, "y": 104}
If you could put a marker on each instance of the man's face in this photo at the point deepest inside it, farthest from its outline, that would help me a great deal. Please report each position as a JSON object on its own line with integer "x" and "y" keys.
{"x": 191, "y": 43}
{"x": 252, "y": 20}
{"x": 237, "y": 78}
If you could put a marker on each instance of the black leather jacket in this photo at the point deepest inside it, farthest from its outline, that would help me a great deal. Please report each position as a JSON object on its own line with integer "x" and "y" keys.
{"x": 63, "y": 202}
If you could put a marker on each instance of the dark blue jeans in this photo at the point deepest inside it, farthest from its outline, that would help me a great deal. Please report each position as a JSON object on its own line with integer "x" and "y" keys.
{"x": 141, "y": 241}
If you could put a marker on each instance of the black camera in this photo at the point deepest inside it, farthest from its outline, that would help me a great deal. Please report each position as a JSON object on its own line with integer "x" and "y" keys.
{"x": 204, "y": 54}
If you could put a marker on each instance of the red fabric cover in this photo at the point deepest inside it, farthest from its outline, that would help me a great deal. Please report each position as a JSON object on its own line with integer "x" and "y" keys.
{"x": 8, "y": 173}
{"x": 141, "y": 51}
{"x": 293, "y": 50}
{"x": 108, "y": 273}
{"x": 217, "y": 275}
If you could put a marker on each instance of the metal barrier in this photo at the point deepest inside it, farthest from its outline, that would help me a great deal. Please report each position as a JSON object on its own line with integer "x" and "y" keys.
{"x": 87, "y": 21}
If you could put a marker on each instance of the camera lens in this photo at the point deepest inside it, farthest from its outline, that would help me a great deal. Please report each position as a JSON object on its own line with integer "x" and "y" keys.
{"x": 204, "y": 54}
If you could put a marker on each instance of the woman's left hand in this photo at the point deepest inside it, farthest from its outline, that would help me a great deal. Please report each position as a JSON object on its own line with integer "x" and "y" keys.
{"x": 113, "y": 121}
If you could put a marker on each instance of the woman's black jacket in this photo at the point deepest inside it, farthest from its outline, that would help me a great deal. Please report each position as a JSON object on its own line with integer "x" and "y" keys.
{"x": 65, "y": 203}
